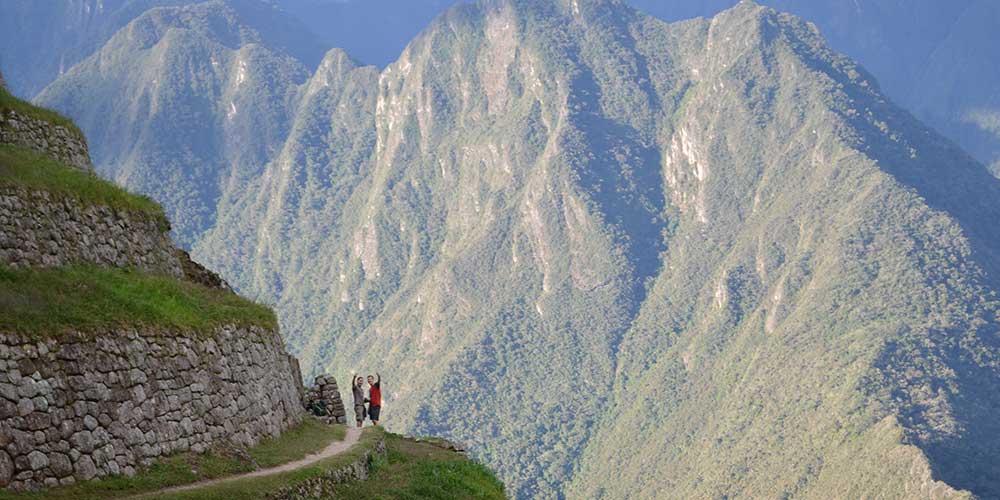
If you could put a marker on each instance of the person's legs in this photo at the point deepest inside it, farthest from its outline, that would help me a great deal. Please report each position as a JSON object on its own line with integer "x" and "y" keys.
{"x": 359, "y": 414}
{"x": 373, "y": 413}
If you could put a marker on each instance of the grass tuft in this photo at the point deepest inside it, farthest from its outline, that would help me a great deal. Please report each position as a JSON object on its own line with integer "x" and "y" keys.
{"x": 88, "y": 299}
{"x": 410, "y": 470}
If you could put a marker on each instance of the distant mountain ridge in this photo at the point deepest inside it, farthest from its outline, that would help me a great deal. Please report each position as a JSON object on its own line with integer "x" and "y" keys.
{"x": 931, "y": 57}
{"x": 195, "y": 70}
{"x": 618, "y": 258}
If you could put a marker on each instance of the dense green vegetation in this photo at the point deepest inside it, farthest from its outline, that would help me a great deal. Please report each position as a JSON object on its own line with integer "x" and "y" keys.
{"x": 23, "y": 168}
{"x": 8, "y": 102}
{"x": 226, "y": 112}
{"x": 185, "y": 468}
{"x": 617, "y": 258}
{"x": 47, "y": 302}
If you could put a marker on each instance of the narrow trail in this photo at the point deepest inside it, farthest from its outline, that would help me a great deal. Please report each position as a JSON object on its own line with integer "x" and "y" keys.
{"x": 334, "y": 448}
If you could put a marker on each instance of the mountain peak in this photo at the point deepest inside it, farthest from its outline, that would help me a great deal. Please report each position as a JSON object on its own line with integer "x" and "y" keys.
{"x": 338, "y": 61}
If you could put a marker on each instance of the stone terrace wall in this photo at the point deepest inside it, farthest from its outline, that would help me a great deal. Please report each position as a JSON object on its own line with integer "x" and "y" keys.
{"x": 39, "y": 229}
{"x": 325, "y": 486}
{"x": 46, "y": 138}
{"x": 75, "y": 409}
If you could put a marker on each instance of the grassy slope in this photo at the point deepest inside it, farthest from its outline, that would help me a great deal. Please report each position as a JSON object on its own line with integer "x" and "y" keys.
{"x": 10, "y": 103}
{"x": 421, "y": 470}
{"x": 185, "y": 468}
{"x": 24, "y": 168}
{"x": 37, "y": 302}
{"x": 259, "y": 487}
{"x": 411, "y": 470}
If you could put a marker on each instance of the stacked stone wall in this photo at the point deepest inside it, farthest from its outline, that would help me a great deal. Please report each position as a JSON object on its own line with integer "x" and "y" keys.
{"x": 325, "y": 486}
{"x": 79, "y": 408}
{"x": 59, "y": 142}
{"x": 39, "y": 229}
{"x": 323, "y": 399}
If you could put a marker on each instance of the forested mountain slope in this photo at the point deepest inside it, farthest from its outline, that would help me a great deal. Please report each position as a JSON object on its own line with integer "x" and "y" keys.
{"x": 614, "y": 256}
{"x": 40, "y": 41}
{"x": 199, "y": 99}
{"x": 709, "y": 256}
{"x": 933, "y": 58}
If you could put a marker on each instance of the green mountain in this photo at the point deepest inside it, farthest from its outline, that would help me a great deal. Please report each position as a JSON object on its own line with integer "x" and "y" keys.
{"x": 928, "y": 56}
{"x": 43, "y": 40}
{"x": 616, "y": 257}
{"x": 209, "y": 98}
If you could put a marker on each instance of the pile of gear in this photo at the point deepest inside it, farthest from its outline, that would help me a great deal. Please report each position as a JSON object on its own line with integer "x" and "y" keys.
{"x": 323, "y": 400}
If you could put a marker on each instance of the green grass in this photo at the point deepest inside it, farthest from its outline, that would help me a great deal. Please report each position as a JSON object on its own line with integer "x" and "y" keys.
{"x": 185, "y": 468}
{"x": 11, "y": 103}
{"x": 24, "y": 168}
{"x": 422, "y": 470}
{"x": 310, "y": 437}
{"x": 88, "y": 299}
{"x": 261, "y": 487}
{"x": 411, "y": 470}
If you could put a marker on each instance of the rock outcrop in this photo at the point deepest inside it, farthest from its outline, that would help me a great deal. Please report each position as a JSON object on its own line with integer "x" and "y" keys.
{"x": 38, "y": 229}
{"x": 82, "y": 407}
{"x": 197, "y": 273}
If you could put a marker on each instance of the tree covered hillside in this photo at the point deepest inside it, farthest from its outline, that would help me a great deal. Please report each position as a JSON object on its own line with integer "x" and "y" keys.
{"x": 933, "y": 58}
{"x": 186, "y": 104}
{"x": 616, "y": 257}
{"x": 581, "y": 231}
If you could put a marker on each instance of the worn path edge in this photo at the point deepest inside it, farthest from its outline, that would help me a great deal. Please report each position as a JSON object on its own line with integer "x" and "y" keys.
{"x": 334, "y": 448}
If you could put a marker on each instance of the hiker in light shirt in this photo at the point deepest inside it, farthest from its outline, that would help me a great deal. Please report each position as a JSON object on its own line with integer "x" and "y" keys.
{"x": 358, "y": 388}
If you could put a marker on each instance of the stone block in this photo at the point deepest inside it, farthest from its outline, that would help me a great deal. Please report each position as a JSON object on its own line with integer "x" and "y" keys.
{"x": 60, "y": 464}
{"x": 6, "y": 469}
{"x": 85, "y": 468}
{"x": 37, "y": 460}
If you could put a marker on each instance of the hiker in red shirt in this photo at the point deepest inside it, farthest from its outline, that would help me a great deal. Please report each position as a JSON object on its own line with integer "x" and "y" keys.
{"x": 374, "y": 398}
